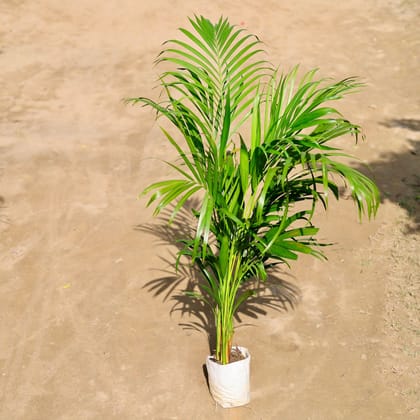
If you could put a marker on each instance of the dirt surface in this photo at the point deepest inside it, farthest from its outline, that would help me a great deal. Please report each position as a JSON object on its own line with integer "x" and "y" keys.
{"x": 86, "y": 330}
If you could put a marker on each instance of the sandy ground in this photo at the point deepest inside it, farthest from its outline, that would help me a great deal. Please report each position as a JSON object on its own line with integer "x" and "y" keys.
{"x": 85, "y": 332}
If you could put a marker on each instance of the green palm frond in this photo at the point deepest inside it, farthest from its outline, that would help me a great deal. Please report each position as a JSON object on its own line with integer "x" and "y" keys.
{"x": 249, "y": 185}
{"x": 214, "y": 69}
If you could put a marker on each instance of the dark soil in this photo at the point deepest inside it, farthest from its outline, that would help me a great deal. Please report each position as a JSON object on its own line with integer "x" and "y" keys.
{"x": 235, "y": 355}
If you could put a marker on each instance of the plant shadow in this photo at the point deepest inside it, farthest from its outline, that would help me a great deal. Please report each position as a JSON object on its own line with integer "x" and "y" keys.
{"x": 3, "y": 218}
{"x": 397, "y": 174}
{"x": 408, "y": 123}
{"x": 273, "y": 294}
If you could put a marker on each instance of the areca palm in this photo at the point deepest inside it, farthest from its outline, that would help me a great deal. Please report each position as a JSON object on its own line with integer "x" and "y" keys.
{"x": 249, "y": 184}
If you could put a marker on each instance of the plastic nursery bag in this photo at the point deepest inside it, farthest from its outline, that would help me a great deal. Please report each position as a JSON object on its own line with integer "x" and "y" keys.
{"x": 229, "y": 384}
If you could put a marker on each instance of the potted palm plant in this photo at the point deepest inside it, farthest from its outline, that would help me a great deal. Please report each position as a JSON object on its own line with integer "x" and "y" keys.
{"x": 257, "y": 192}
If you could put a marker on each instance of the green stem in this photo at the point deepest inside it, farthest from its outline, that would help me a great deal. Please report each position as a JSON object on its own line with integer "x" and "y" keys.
{"x": 224, "y": 313}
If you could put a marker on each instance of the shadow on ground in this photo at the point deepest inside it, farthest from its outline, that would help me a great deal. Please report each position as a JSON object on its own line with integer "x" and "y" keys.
{"x": 408, "y": 123}
{"x": 184, "y": 285}
{"x": 398, "y": 174}
{"x": 3, "y": 218}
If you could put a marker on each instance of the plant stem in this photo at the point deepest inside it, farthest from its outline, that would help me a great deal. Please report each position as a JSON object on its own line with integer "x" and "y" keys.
{"x": 224, "y": 313}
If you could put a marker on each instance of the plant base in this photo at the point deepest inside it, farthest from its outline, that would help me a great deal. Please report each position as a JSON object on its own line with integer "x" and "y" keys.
{"x": 229, "y": 384}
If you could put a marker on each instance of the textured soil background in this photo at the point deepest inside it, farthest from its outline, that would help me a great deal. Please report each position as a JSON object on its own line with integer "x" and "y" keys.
{"x": 88, "y": 324}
